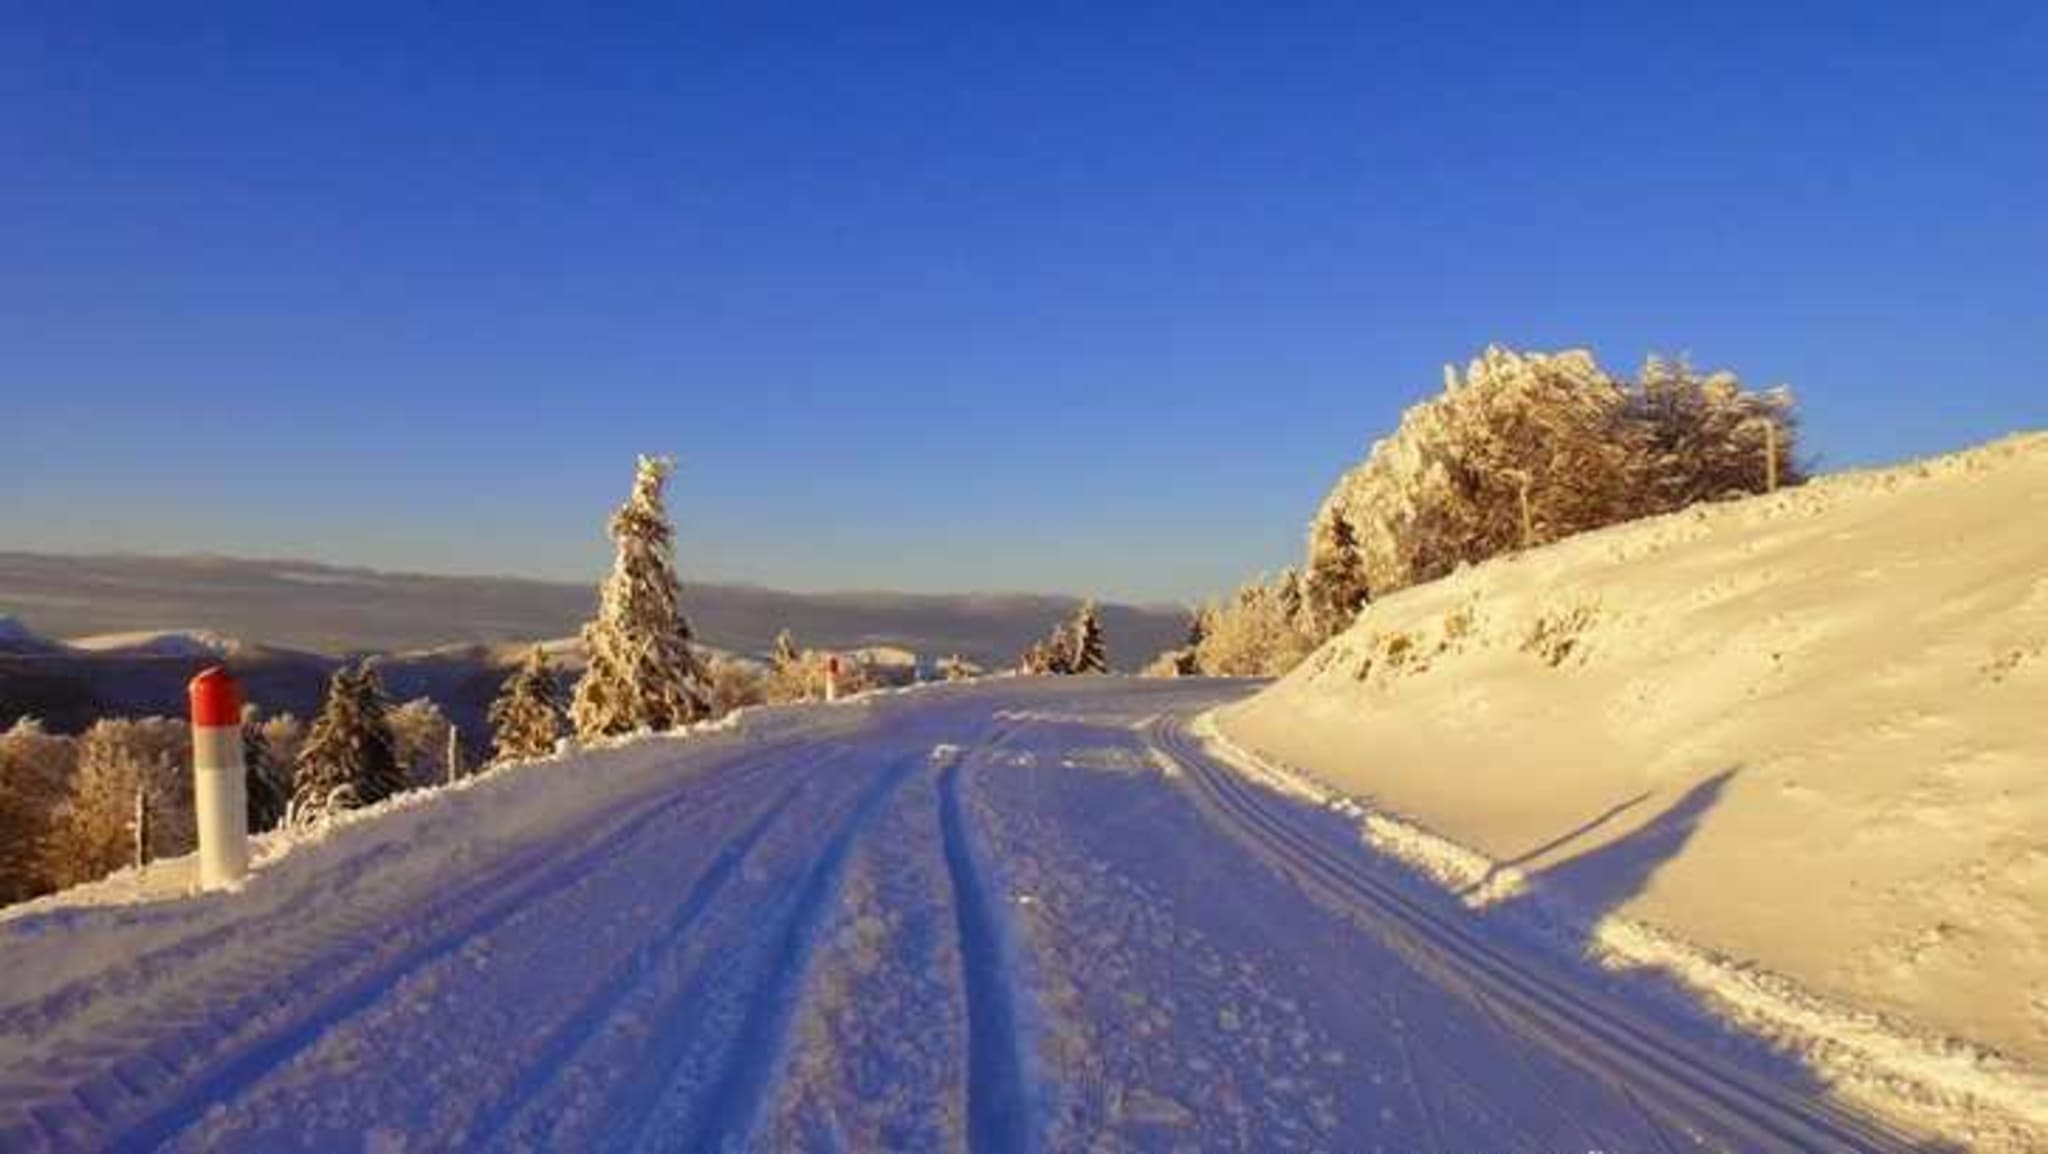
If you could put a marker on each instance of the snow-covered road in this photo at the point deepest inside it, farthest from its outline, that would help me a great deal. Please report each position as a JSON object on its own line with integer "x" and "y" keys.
{"x": 1023, "y": 915}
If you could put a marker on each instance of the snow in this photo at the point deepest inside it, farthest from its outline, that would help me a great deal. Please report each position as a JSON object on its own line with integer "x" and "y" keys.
{"x": 958, "y": 916}
{"x": 159, "y": 643}
{"x": 1785, "y": 752}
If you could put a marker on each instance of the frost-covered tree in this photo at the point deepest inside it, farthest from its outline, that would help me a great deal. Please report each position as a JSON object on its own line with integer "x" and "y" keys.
{"x": 1255, "y": 635}
{"x": 786, "y": 652}
{"x": 527, "y": 718}
{"x": 1335, "y": 588}
{"x": 419, "y": 740}
{"x": 734, "y": 684}
{"x": 267, "y": 780}
{"x": 93, "y": 833}
{"x": 1037, "y": 658}
{"x": 36, "y": 770}
{"x": 283, "y": 734}
{"x": 1700, "y": 437}
{"x": 1086, "y": 652}
{"x": 349, "y": 758}
{"x": 1055, "y": 654}
{"x": 643, "y": 673}
{"x": 1059, "y": 648}
{"x": 1524, "y": 449}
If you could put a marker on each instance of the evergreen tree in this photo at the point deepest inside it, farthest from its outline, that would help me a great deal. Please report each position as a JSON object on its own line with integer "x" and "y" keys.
{"x": 1187, "y": 660}
{"x": 348, "y": 759}
{"x": 1336, "y": 576}
{"x": 267, "y": 790}
{"x": 419, "y": 739}
{"x": 1292, "y": 600}
{"x": 643, "y": 673}
{"x": 1037, "y": 659}
{"x": 1087, "y": 653}
{"x": 1059, "y": 650}
{"x": 787, "y": 655}
{"x": 526, "y": 719}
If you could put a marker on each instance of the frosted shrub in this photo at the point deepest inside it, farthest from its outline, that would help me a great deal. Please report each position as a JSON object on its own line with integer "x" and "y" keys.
{"x": 93, "y": 831}
{"x": 1258, "y": 634}
{"x": 36, "y": 770}
{"x": 1525, "y": 449}
{"x": 734, "y": 684}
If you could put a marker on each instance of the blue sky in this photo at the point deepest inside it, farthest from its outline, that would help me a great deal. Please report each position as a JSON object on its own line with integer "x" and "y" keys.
{"x": 1084, "y": 297}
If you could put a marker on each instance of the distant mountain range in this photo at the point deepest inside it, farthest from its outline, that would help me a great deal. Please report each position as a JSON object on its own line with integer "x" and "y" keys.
{"x": 136, "y": 627}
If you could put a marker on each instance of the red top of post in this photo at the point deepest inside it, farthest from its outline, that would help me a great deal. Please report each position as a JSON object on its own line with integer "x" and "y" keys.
{"x": 216, "y": 698}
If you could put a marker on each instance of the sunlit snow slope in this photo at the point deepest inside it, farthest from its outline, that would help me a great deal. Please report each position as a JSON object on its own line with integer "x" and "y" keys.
{"x": 1806, "y": 732}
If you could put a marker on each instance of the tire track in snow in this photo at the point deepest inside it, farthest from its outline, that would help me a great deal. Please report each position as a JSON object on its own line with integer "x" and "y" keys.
{"x": 758, "y": 1050}
{"x": 570, "y": 1034}
{"x": 998, "y": 1097}
{"x": 476, "y": 908}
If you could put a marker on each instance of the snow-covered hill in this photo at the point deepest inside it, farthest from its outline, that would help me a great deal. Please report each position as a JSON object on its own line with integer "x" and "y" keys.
{"x": 1804, "y": 734}
{"x": 18, "y": 638}
{"x": 159, "y": 643}
{"x": 335, "y": 611}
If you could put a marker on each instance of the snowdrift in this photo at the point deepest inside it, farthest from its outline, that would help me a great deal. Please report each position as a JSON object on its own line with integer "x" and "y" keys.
{"x": 1802, "y": 736}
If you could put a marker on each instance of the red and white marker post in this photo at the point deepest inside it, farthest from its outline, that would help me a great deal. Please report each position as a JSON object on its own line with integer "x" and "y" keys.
{"x": 832, "y": 678}
{"x": 219, "y": 779}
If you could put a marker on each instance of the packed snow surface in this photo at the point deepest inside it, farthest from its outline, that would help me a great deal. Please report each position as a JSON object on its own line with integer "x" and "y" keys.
{"x": 1024, "y": 914}
{"x": 1790, "y": 752}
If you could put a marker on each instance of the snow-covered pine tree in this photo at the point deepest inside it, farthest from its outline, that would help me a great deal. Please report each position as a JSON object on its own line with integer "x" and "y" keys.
{"x": 1045, "y": 656}
{"x": 787, "y": 655}
{"x": 419, "y": 739}
{"x": 1293, "y": 599}
{"x": 266, "y": 785}
{"x": 348, "y": 758}
{"x": 643, "y": 673}
{"x": 526, "y": 719}
{"x": 1336, "y": 588}
{"x": 1187, "y": 660}
{"x": 1059, "y": 650}
{"x": 1087, "y": 652}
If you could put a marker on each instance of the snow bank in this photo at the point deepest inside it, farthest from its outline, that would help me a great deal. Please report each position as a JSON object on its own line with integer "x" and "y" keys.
{"x": 1790, "y": 750}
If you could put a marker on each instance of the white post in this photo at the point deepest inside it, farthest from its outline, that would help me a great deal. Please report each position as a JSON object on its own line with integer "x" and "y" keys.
{"x": 454, "y": 755}
{"x": 141, "y": 824}
{"x": 219, "y": 779}
{"x": 832, "y": 678}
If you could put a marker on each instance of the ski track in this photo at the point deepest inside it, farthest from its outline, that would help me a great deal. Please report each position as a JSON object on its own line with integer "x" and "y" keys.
{"x": 880, "y": 1051}
{"x": 100, "y": 993}
{"x": 1681, "y": 1084}
{"x": 200, "y": 1056}
{"x": 574, "y": 1032}
{"x": 759, "y": 1050}
{"x": 998, "y": 1098}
